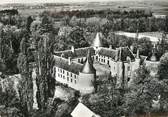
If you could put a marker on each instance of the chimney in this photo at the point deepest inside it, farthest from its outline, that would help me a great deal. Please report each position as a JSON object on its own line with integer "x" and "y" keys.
{"x": 72, "y": 49}
{"x": 69, "y": 60}
{"x": 62, "y": 55}
{"x": 110, "y": 46}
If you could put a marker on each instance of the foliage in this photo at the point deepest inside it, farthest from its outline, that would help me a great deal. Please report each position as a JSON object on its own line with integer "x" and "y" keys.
{"x": 28, "y": 24}
{"x": 163, "y": 67}
{"x": 76, "y": 38}
{"x": 141, "y": 93}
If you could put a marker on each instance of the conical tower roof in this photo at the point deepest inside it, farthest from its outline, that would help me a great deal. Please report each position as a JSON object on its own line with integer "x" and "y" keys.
{"x": 89, "y": 57}
{"x": 88, "y": 66}
{"x": 97, "y": 41}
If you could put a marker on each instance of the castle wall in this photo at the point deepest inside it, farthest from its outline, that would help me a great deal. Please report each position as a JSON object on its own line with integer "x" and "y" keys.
{"x": 82, "y": 82}
{"x": 66, "y": 77}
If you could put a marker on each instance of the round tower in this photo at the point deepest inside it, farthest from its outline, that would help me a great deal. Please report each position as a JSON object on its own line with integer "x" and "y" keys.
{"x": 137, "y": 60}
{"x": 153, "y": 58}
{"x": 97, "y": 42}
{"x": 87, "y": 77}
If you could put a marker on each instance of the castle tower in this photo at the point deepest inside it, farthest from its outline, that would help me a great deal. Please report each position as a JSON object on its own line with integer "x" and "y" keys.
{"x": 97, "y": 42}
{"x": 153, "y": 57}
{"x": 120, "y": 70}
{"x": 137, "y": 60}
{"x": 87, "y": 77}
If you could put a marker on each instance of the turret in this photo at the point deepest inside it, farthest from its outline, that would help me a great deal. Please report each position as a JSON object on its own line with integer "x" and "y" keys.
{"x": 87, "y": 76}
{"x": 137, "y": 61}
{"x": 153, "y": 57}
{"x": 88, "y": 66}
{"x": 97, "y": 42}
{"x": 137, "y": 54}
{"x": 120, "y": 69}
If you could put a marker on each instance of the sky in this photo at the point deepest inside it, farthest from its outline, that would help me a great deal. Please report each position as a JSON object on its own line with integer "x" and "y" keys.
{"x": 48, "y": 1}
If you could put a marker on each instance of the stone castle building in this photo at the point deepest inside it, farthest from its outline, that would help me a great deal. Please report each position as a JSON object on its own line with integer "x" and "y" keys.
{"x": 75, "y": 67}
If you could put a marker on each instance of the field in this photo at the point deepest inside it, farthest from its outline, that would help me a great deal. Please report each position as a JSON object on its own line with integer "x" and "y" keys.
{"x": 158, "y": 7}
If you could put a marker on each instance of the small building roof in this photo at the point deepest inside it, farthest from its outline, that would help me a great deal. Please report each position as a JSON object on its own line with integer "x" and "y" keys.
{"x": 82, "y": 111}
{"x": 97, "y": 42}
{"x": 88, "y": 66}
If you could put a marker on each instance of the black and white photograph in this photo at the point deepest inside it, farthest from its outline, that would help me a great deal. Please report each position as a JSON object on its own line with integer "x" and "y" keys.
{"x": 83, "y": 58}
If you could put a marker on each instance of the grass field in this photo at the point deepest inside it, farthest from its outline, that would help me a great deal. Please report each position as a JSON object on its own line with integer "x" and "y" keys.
{"x": 160, "y": 7}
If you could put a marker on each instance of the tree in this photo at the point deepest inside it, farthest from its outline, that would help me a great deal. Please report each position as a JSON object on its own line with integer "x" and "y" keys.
{"x": 46, "y": 25}
{"x": 76, "y": 38}
{"x": 26, "y": 84}
{"x": 28, "y": 24}
{"x": 163, "y": 67}
{"x": 44, "y": 61}
{"x": 141, "y": 93}
{"x": 144, "y": 45}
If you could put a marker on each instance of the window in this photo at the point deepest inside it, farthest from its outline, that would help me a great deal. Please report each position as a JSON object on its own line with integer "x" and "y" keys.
{"x": 63, "y": 71}
{"x": 71, "y": 80}
{"x": 67, "y": 73}
{"x": 75, "y": 76}
{"x": 128, "y": 79}
{"x": 96, "y": 58}
{"x": 58, "y": 75}
{"x": 71, "y": 74}
{"x": 75, "y": 81}
{"x": 63, "y": 77}
{"x": 67, "y": 78}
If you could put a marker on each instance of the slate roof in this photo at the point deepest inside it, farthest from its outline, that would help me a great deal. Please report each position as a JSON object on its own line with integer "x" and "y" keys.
{"x": 108, "y": 52}
{"x": 81, "y": 52}
{"x": 74, "y": 67}
{"x": 88, "y": 66}
{"x": 125, "y": 52}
